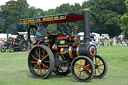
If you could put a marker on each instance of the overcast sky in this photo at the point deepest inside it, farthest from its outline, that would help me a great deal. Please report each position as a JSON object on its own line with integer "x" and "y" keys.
{"x": 47, "y": 4}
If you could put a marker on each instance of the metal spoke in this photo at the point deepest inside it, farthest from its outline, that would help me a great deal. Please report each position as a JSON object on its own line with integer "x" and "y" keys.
{"x": 44, "y": 57}
{"x": 85, "y": 73}
{"x": 98, "y": 70}
{"x": 95, "y": 72}
{"x": 76, "y": 68}
{"x": 79, "y": 74}
{"x": 47, "y": 61}
{"x": 86, "y": 65}
{"x": 34, "y": 57}
{"x": 84, "y": 62}
{"x": 100, "y": 64}
{"x": 39, "y": 53}
{"x": 33, "y": 61}
{"x": 88, "y": 69}
{"x": 37, "y": 71}
{"x": 34, "y": 66}
{"x": 40, "y": 70}
{"x": 78, "y": 64}
{"x": 44, "y": 69}
{"x": 43, "y": 53}
{"x": 45, "y": 66}
{"x": 97, "y": 62}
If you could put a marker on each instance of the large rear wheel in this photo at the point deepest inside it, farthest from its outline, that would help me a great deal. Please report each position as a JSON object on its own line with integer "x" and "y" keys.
{"x": 23, "y": 45}
{"x": 82, "y": 69}
{"x": 41, "y": 61}
{"x": 11, "y": 49}
{"x": 3, "y": 48}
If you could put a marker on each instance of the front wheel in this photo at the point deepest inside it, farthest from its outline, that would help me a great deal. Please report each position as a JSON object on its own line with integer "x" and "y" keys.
{"x": 100, "y": 67}
{"x": 82, "y": 68}
{"x": 41, "y": 61}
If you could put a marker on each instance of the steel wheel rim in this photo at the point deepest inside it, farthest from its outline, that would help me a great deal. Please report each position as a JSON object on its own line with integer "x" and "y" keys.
{"x": 3, "y": 48}
{"x": 24, "y": 46}
{"x": 82, "y": 69}
{"x": 39, "y": 62}
{"x": 100, "y": 67}
{"x": 11, "y": 49}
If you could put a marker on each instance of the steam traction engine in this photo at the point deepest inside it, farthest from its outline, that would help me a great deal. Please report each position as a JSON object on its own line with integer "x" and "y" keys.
{"x": 15, "y": 44}
{"x": 62, "y": 55}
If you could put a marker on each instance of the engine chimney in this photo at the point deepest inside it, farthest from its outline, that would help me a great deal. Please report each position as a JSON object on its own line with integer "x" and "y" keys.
{"x": 86, "y": 24}
{"x": 7, "y": 34}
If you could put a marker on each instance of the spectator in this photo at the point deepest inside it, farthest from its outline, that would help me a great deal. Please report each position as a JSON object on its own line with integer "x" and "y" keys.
{"x": 111, "y": 43}
{"x": 1, "y": 42}
{"x": 114, "y": 41}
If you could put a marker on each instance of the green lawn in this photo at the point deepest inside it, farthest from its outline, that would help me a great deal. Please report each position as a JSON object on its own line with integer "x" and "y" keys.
{"x": 14, "y": 69}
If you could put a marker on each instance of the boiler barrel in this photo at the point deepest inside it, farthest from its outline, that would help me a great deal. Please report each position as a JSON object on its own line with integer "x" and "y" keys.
{"x": 79, "y": 50}
{"x": 87, "y": 50}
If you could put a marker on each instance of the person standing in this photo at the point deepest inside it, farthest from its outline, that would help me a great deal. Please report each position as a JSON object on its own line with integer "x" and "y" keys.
{"x": 114, "y": 41}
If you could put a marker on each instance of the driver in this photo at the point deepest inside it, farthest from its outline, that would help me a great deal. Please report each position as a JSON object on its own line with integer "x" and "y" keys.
{"x": 42, "y": 31}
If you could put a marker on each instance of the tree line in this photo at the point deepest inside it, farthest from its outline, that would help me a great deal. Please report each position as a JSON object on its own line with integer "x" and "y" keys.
{"x": 107, "y": 16}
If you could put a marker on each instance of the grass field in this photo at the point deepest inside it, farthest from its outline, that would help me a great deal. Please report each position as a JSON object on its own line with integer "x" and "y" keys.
{"x": 14, "y": 69}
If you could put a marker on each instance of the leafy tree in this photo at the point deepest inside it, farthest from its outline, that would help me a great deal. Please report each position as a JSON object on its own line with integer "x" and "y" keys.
{"x": 50, "y": 12}
{"x": 64, "y": 8}
{"x": 33, "y": 12}
{"x": 2, "y": 25}
{"x": 124, "y": 20}
{"x": 12, "y": 12}
{"x": 105, "y": 15}
{"x": 40, "y": 12}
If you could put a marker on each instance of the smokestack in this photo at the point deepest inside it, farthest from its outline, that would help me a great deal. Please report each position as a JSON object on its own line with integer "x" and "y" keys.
{"x": 7, "y": 34}
{"x": 86, "y": 24}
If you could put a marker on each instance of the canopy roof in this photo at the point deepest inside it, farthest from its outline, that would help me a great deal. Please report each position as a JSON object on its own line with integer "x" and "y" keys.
{"x": 53, "y": 19}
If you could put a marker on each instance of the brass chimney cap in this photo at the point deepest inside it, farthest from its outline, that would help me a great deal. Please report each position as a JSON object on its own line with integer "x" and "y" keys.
{"x": 86, "y": 8}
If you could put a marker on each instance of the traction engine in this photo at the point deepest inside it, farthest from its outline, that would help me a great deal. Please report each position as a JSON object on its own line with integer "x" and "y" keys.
{"x": 62, "y": 55}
